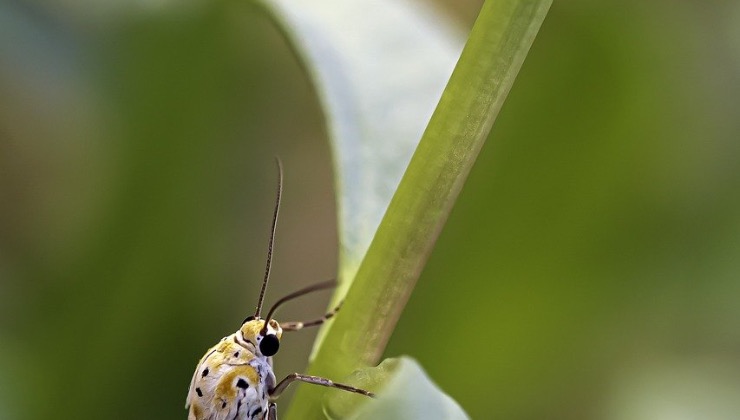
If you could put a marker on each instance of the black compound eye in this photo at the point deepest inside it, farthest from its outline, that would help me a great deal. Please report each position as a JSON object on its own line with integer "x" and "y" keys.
{"x": 269, "y": 345}
{"x": 247, "y": 319}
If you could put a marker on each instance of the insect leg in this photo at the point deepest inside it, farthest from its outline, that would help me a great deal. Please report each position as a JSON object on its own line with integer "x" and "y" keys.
{"x": 272, "y": 412}
{"x": 295, "y": 326}
{"x": 316, "y": 380}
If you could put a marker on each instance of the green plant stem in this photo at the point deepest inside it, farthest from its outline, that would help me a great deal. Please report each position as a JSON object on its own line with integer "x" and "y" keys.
{"x": 493, "y": 55}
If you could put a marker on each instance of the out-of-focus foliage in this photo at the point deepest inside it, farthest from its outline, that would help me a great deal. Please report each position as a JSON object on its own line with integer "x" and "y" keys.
{"x": 589, "y": 269}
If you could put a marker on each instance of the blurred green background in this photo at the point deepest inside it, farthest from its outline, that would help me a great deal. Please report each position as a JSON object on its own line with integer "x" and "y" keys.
{"x": 590, "y": 269}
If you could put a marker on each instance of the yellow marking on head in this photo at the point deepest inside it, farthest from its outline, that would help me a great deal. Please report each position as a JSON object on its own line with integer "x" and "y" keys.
{"x": 251, "y": 329}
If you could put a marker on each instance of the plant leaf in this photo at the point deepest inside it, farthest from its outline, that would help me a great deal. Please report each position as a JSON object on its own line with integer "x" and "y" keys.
{"x": 379, "y": 68}
{"x": 406, "y": 393}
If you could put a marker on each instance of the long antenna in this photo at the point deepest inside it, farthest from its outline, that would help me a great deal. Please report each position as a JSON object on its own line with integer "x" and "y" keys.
{"x": 272, "y": 237}
{"x": 306, "y": 290}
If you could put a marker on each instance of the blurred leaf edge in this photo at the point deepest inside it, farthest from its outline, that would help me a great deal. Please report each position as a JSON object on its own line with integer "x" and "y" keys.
{"x": 403, "y": 389}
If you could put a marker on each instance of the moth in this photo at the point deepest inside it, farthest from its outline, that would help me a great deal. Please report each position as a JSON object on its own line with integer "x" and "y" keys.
{"x": 234, "y": 380}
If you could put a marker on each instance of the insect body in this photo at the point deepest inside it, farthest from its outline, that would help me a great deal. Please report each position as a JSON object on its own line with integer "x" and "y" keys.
{"x": 234, "y": 377}
{"x": 234, "y": 380}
